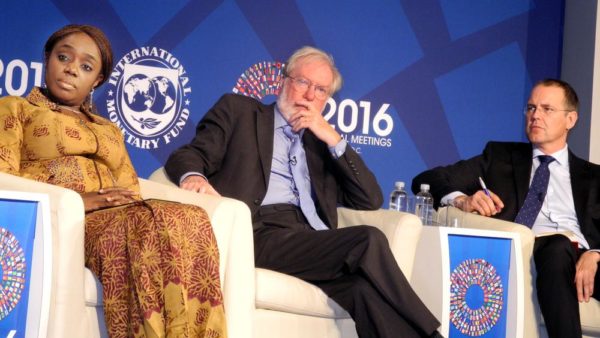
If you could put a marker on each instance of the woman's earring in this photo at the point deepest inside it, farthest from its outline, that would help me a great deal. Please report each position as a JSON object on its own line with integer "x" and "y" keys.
{"x": 91, "y": 99}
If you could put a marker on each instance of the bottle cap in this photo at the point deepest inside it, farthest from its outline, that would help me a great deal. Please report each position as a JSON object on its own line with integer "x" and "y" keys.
{"x": 424, "y": 187}
{"x": 399, "y": 185}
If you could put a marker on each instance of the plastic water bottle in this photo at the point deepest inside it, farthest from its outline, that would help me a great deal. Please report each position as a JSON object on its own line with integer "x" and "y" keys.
{"x": 424, "y": 205}
{"x": 398, "y": 197}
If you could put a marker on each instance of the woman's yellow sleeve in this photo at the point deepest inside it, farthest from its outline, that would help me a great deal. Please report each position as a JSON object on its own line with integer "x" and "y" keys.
{"x": 11, "y": 134}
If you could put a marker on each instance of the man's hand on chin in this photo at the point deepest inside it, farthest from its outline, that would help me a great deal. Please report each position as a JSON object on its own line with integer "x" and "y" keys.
{"x": 308, "y": 116}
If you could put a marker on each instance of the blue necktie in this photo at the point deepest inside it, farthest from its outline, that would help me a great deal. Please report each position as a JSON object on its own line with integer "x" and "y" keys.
{"x": 537, "y": 192}
{"x": 301, "y": 180}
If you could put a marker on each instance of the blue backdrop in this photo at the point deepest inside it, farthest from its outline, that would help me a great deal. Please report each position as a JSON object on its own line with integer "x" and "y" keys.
{"x": 426, "y": 82}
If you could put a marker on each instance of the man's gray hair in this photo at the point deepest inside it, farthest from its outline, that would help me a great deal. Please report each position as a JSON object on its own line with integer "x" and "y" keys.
{"x": 308, "y": 53}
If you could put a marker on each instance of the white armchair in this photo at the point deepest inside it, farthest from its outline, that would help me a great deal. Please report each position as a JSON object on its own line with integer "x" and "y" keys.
{"x": 76, "y": 295}
{"x": 534, "y": 327}
{"x": 285, "y": 306}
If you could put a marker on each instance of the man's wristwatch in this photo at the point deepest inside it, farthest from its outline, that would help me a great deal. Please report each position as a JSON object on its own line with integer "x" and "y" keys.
{"x": 457, "y": 201}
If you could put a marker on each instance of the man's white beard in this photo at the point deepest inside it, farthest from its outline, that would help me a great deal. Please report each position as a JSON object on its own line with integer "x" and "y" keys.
{"x": 285, "y": 106}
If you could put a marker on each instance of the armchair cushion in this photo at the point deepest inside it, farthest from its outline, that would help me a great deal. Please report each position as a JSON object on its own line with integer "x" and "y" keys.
{"x": 92, "y": 289}
{"x": 281, "y": 292}
{"x": 590, "y": 318}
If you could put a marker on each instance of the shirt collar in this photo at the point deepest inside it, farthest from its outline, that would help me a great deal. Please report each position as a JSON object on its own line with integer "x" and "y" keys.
{"x": 280, "y": 121}
{"x": 561, "y": 157}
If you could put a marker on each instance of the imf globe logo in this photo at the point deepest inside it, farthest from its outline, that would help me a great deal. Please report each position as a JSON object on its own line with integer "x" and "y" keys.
{"x": 142, "y": 93}
{"x": 149, "y": 101}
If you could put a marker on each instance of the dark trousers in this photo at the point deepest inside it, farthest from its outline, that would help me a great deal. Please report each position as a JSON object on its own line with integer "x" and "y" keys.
{"x": 354, "y": 266}
{"x": 555, "y": 260}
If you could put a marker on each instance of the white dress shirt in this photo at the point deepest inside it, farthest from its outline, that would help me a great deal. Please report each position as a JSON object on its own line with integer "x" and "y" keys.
{"x": 558, "y": 210}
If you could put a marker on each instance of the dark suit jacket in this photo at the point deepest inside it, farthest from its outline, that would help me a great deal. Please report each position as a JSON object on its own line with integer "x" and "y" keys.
{"x": 506, "y": 168}
{"x": 233, "y": 148}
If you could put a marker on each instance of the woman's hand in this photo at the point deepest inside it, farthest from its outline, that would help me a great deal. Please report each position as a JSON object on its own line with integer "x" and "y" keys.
{"x": 108, "y": 197}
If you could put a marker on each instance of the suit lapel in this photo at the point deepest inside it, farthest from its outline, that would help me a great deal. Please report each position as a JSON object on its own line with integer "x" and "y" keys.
{"x": 265, "y": 123}
{"x": 580, "y": 182}
{"x": 522, "y": 159}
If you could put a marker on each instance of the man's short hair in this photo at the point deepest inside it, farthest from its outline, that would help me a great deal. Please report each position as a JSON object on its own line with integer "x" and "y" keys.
{"x": 571, "y": 98}
{"x": 308, "y": 53}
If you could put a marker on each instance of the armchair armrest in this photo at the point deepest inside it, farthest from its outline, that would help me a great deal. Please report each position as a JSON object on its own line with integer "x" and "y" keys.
{"x": 401, "y": 229}
{"x": 475, "y": 221}
{"x": 67, "y": 291}
{"x": 231, "y": 224}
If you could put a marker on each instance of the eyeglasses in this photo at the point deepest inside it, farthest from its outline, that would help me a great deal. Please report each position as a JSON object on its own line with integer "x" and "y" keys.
{"x": 547, "y": 110}
{"x": 302, "y": 85}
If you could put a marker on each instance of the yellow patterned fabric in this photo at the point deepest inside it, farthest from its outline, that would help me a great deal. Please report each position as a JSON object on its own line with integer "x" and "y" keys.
{"x": 157, "y": 261}
{"x": 39, "y": 143}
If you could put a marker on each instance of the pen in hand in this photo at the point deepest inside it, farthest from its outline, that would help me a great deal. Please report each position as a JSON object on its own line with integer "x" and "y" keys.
{"x": 485, "y": 189}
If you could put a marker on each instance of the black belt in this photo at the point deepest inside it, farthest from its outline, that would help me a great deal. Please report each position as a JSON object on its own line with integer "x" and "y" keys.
{"x": 280, "y": 215}
{"x": 275, "y": 208}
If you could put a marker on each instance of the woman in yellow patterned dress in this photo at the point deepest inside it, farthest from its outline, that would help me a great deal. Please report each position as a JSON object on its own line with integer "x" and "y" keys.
{"x": 157, "y": 260}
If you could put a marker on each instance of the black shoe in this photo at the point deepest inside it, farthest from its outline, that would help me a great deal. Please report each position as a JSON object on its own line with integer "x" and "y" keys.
{"x": 436, "y": 334}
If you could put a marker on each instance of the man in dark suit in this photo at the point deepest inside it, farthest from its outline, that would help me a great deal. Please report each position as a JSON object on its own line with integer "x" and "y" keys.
{"x": 293, "y": 170}
{"x": 567, "y": 267}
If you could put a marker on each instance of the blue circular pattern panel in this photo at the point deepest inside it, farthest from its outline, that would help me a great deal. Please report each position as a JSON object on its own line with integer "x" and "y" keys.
{"x": 12, "y": 260}
{"x": 469, "y": 276}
